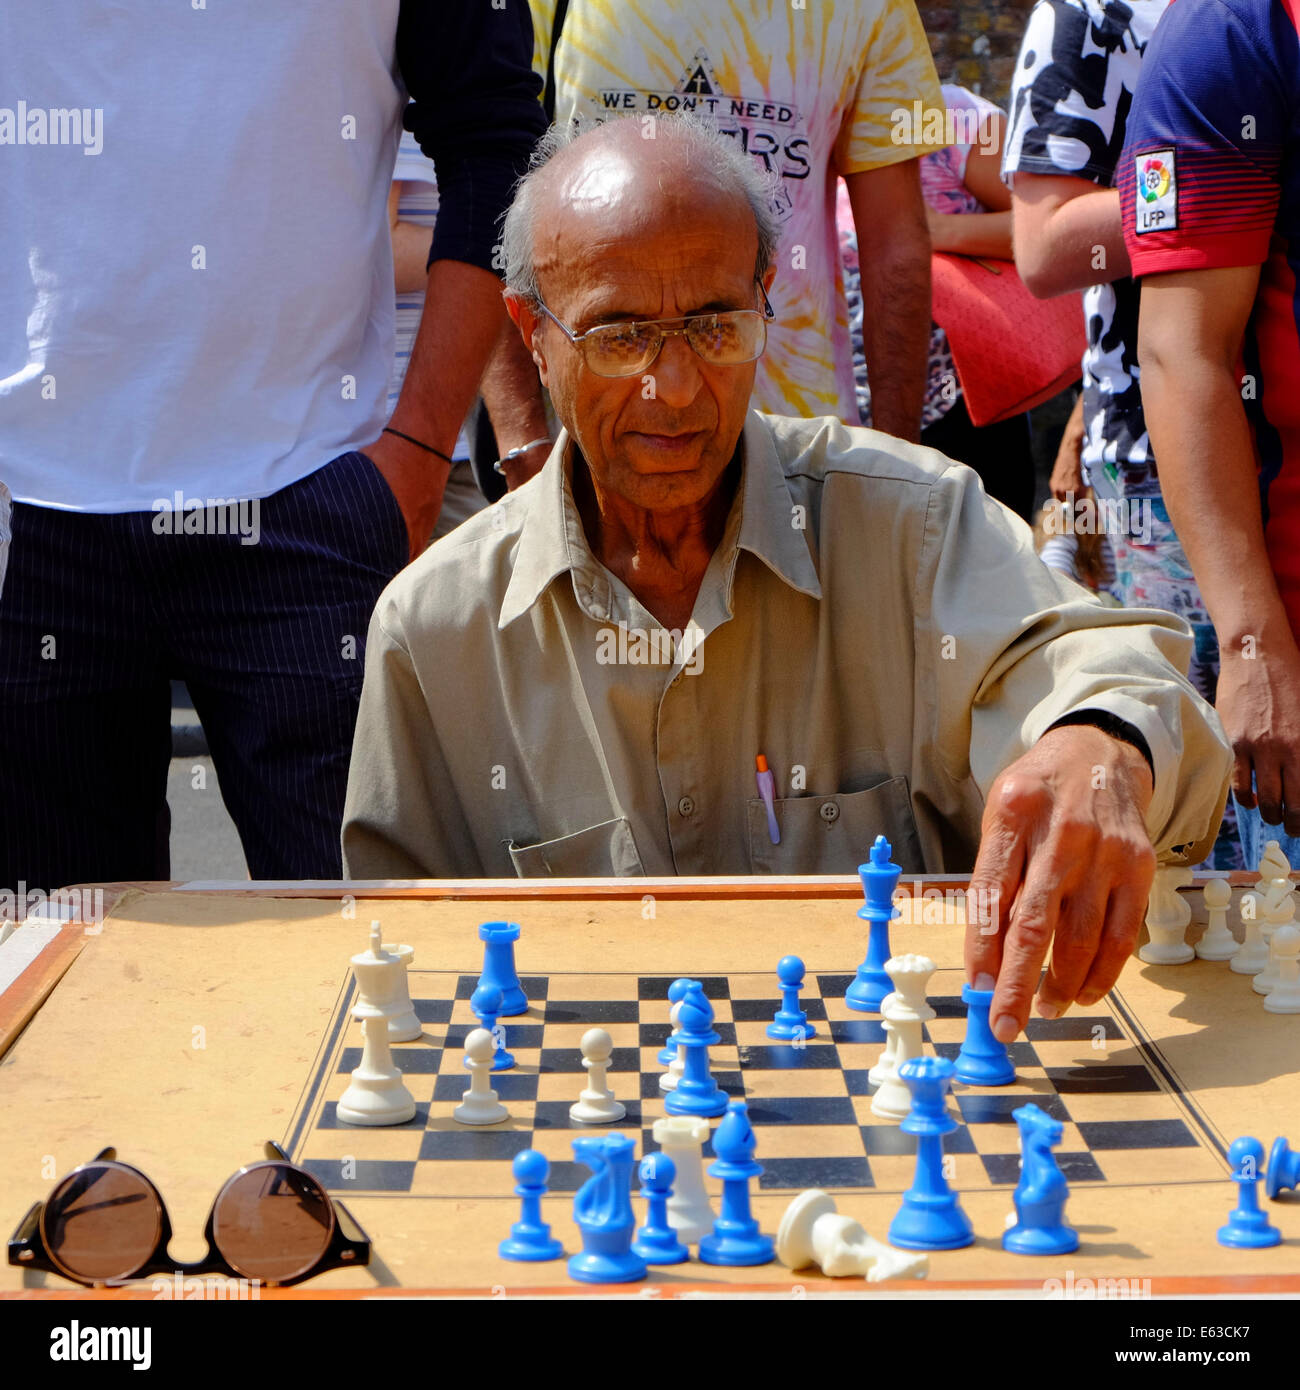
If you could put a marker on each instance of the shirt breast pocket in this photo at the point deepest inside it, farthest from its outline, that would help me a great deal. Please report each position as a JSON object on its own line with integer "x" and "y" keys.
{"x": 607, "y": 850}
{"x": 833, "y": 834}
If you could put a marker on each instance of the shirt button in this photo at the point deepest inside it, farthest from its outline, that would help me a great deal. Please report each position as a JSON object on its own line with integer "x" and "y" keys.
{"x": 686, "y": 807}
{"x": 829, "y": 812}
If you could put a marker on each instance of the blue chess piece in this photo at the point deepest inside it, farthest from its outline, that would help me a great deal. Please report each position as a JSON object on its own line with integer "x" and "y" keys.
{"x": 602, "y": 1208}
{"x": 696, "y": 1093}
{"x": 879, "y": 879}
{"x": 931, "y": 1217}
{"x": 656, "y": 1242}
{"x": 486, "y": 1003}
{"x": 1283, "y": 1169}
{"x": 1248, "y": 1226}
{"x": 676, "y": 993}
{"x": 499, "y": 965}
{"x": 530, "y": 1237}
{"x": 1042, "y": 1191}
{"x": 735, "y": 1238}
{"x": 983, "y": 1060}
{"x": 790, "y": 1023}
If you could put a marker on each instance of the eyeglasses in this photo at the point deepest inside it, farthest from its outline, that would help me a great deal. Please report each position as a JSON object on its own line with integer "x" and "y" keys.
{"x": 726, "y": 339}
{"x": 106, "y": 1223}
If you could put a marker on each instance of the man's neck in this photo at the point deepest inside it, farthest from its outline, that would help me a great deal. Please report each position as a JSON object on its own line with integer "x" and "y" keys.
{"x": 661, "y": 556}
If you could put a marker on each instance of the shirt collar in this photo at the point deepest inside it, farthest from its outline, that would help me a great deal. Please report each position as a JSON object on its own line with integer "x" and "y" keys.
{"x": 552, "y": 539}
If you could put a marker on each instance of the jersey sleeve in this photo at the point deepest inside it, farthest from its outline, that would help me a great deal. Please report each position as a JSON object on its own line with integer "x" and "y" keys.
{"x": 1200, "y": 177}
{"x": 1068, "y": 95}
{"x": 897, "y": 73}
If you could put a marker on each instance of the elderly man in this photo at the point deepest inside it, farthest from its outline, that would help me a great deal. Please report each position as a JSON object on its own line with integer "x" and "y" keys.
{"x": 579, "y": 680}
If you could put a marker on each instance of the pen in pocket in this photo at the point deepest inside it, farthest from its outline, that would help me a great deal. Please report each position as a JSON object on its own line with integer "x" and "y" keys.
{"x": 767, "y": 790}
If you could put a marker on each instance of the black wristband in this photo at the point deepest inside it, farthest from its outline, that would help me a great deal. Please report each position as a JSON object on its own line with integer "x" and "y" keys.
{"x": 428, "y": 448}
{"x": 1113, "y": 725}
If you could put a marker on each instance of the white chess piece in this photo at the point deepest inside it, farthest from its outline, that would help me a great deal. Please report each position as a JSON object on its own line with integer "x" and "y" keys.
{"x": 1217, "y": 942}
{"x": 1273, "y": 864}
{"x": 1284, "y": 997}
{"x": 404, "y": 1026}
{"x": 885, "y": 1067}
{"x": 1167, "y": 919}
{"x": 1252, "y": 955}
{"x": 813, "y": 1232}
{"x": 690, "y": 1213}
{"x": 480, "y": 1106}
{"x": 1279, "y": 911}
{"x": 596, "y": 1105}
{"x": 376, "y": 1094}
{"x": 677, "y": 1067}
{"x": 908, "y": 1014}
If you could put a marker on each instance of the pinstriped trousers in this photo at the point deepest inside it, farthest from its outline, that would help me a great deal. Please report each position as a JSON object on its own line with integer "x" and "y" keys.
{"x": 100, "y": 612}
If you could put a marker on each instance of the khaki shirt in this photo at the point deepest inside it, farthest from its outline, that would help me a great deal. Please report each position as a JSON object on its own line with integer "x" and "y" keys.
{"x": 871, "y": 622}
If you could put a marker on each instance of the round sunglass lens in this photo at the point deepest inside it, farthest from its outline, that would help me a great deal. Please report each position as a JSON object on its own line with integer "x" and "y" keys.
{"x": 273, "y": 1222}
{"x": 102, "y": 1222}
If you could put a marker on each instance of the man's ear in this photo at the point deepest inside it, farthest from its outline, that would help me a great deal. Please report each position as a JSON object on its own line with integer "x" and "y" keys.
{"x": 529, "y": 324}
{"x": 768, "y": 276}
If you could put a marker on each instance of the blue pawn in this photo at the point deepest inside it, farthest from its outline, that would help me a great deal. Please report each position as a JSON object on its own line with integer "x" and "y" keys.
{"x": 696, "y": 1092}
{"x": 931, "y": 1217}
{"x": 656, "y": 1242}
{"x": 983, "y": 1060}
{"x": 530, "y": 1237}
{"x": 790, "y": 1023}
{"x": 1042, "y": 1191}
{"x": 735, "y": 1238}
{"x": 486, "y": 1003}
{"x": 1283, "y": 1169}
{"x": 676, "y": 993}
{"x": 499, "y": 965}
{"x": 879, "y": 879}
{"x": 1248, "y": 1227}
{"x": 602, "y": 1208}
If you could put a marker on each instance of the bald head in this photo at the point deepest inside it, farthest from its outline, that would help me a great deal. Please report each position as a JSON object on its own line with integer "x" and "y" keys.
{"x": 621, "y": 182}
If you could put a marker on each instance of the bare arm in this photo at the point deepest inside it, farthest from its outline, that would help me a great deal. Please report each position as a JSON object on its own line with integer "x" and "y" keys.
{"x": 512, "y": 393}
{"x": 978, "y": 233}
{"x": 410, "y": 246}
{"x": 894, "y": 252}
{"x": 1067, "y": 232}
{"x": 1192, "y": 323}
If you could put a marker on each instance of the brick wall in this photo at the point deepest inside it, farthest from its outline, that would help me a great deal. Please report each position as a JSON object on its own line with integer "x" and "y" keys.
{"x": 975, "y": 42}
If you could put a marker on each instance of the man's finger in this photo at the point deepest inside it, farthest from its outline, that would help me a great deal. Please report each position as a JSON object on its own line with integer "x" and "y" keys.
{"x": 1025, "y": 948}
{"x": 1075, "y": 945}
{"x": 1242, "y": 789}
{"x": 1124, "y": 912}
{"x": 1291, "y": 799}
{"x": 990, "y": 896}
{"x": 1268, "y": 786}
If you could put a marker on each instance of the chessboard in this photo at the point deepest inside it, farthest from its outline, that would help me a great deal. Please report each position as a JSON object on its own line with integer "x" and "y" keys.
{"x": 191, "y": 1026}
{"x": 1126, "y": 1117}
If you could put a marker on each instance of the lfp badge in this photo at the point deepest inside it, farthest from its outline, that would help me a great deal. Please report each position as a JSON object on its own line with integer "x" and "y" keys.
{"x": 1157, "y": 192}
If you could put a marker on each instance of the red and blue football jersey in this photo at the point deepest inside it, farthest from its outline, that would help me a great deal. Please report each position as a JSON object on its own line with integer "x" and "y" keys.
{"x": 1210, "y": 178}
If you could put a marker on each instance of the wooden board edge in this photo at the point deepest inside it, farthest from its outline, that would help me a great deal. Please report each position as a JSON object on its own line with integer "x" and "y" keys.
{"x": 30, "y": 990}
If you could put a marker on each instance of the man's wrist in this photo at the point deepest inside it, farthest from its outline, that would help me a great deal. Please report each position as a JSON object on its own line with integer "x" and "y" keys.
{"x": 1112, "y": 725}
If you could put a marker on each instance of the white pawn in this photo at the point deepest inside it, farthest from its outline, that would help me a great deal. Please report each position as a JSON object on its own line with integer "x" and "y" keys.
{"x": 1284, "y": 997}
{"x": 1217, "y": 942}
{"x": 596, "y": 1105}
{"x": 690, "y": 1213}
{"x": 1252, "y": 955}
{"x": 885, "y": 1065}
{"x": 1168, "y": 916}
{"x": 1279, "y": 910}
{"x": 812, "y": 1232}
{"x": 908, "y": 1014}
{"x": 480, "y": 1106}
{"x": 677, "y": 1067}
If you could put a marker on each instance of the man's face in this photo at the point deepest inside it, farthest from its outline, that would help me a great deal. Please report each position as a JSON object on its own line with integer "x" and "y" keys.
{"x": 618, "y": 247}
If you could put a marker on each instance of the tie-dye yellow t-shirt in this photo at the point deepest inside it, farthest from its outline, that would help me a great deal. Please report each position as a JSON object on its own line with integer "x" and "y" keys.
{"x": 813, "y": 90}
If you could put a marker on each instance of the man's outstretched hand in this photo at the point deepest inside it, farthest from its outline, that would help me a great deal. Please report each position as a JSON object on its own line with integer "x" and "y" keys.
{"x": 1065, "y": 865}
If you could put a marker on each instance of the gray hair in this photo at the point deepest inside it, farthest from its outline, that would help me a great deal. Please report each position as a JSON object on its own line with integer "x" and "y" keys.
{"x": 705, "y": 147}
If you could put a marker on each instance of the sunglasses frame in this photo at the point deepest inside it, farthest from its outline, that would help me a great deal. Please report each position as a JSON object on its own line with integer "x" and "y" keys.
{"x": 348, "y": 1245}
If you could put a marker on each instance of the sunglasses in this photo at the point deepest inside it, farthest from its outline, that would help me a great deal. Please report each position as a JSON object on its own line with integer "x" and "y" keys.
{"x": 105, "y": 1222}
